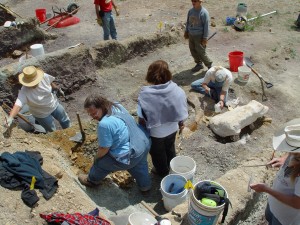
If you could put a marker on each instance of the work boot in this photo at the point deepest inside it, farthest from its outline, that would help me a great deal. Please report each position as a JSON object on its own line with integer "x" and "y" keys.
{"x": 83, "y": 179}
{"x": 198, "y": 67}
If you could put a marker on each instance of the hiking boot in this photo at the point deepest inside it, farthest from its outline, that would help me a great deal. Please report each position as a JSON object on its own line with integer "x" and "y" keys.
{"x": 83, "y": 179}
{"x": 198, "y": 67}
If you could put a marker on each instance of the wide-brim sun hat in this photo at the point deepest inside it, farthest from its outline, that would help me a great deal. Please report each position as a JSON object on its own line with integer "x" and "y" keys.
{"x": 31, "y": 76}
{"x": 287, "y": 137}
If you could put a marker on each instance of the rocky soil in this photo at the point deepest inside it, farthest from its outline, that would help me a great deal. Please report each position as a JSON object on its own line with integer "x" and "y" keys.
{"x": 273, "y": 45}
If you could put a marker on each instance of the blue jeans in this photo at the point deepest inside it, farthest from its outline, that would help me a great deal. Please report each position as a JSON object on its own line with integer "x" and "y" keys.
{"x": 138, "y": 168}
{"x": 108, "y": 25}
{"x": 60, "y": 115}
{"x": 215, "y": 90}
{"x": 270, "y": 217}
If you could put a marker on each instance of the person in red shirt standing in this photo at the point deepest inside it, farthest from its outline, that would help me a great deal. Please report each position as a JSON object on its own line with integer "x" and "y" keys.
{"x": 105, "y": 18}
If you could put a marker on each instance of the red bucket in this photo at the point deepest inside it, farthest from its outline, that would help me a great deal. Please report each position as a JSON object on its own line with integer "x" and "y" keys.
{"x": 40, "y": 14}
{"x": 236, "y": 59}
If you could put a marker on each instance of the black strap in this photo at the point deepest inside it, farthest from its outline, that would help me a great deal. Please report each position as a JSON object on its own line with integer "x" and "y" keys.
{"x": 225, "y": 211}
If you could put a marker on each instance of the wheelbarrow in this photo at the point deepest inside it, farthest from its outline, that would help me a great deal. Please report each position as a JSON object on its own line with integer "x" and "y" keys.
{"x": 62, "y": 17}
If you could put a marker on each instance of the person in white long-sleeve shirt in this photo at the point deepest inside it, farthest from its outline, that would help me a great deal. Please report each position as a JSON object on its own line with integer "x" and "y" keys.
{"x": 36, "y": 92}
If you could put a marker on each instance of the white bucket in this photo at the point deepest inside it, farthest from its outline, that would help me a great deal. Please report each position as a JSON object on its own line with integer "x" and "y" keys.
{"x": 173, "y": 191}
{"x": 183, "y": 165}
{"x": 37, "y": 49}
{"x": 203, "y": 214}
{"x": 244, "y": 73}
{"x": 140, "y": 218}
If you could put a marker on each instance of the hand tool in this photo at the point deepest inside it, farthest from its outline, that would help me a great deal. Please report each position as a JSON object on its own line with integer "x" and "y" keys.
{"x": 250, "y": 64}
{"x": 211, "y": 36}
{"x": 36, "y": 128}
{"x": 160, "y": 220}
{"x": 256, "y": 165}
{"x": 10, "y": 11}
{"x": 78, "y": 137}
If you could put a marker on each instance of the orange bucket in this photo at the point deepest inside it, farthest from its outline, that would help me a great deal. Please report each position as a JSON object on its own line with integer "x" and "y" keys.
{"x": 236, "y": 59}
{"x": 40, "y": 14}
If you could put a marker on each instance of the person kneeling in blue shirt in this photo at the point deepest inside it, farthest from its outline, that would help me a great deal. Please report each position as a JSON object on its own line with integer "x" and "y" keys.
{"x": 123, "y": 144}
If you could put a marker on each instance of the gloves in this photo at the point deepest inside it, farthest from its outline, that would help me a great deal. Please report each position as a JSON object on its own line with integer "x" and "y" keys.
{"x": 117, "y": 11}
{"x": 99, "y": 21}
{"x": 8, "y": 122}
{"x": 186, "y": 35}
{"x": 204, "y": 42}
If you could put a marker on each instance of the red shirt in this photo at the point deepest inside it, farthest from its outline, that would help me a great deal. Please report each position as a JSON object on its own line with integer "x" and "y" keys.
{"x": 105, "y": 7}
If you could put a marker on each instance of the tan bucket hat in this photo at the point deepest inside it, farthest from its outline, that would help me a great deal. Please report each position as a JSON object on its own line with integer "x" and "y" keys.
{"x": 31, "y": 76}
{"x": 287, "y": 137}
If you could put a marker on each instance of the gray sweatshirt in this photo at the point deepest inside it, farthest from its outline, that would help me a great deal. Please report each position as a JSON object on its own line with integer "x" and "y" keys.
{"x": 197, "y": 22}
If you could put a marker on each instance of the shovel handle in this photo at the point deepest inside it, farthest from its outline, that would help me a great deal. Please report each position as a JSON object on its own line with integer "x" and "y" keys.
{"x": 79, "y": 122}
{"x": 150, "y": 209}
{"x": 257, "y": 74}
{"x": 268, "y": 84}
{"x": 19, "y": 115}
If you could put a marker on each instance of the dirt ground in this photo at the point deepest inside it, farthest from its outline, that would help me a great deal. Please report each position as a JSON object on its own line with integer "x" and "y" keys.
{"x": 273, "y": 45}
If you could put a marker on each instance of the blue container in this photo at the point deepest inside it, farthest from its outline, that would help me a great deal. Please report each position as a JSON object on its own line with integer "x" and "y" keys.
{"x": 230, "y": 20}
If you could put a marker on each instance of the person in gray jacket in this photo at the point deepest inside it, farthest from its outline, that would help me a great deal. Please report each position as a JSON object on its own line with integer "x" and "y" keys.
{"x": 197, "y": 33}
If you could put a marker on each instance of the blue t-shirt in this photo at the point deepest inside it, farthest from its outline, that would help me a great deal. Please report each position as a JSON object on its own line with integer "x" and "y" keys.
{"x": 113, "y": 134}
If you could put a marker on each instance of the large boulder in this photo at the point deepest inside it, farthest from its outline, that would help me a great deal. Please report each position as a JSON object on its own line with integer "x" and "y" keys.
{"x": 232, "y": 122}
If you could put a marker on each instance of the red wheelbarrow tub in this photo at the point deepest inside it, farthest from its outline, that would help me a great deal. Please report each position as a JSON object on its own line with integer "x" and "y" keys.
{"x": 64, "y": 21}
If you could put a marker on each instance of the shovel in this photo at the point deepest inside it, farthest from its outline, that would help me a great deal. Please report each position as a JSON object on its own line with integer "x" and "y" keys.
{"x": 78, "y": 137}
{"x": 250, "y": 64}
{"x": 36, "y": 128}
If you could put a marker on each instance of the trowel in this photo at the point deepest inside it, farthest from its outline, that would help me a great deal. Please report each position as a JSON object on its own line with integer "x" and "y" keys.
{"x": 79, "y": 136}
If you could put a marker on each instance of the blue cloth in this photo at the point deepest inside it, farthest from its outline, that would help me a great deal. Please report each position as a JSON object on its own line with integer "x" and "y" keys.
{"x": 60, "y": 115}
{"x": 138, "y": 136}
{"x": 215, "y": 89}
{"x": 17, "y": 170}
{"x": 108, "y": 25}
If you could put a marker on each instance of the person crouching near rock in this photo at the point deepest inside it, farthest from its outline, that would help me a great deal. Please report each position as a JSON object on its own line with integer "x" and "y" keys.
{"x": 36, "y": 92}
{"x": 123, "y": 144}
{"x": 162, "y": 108}
{"x": 215, "y": 84}
{"x": 283, "y": 206}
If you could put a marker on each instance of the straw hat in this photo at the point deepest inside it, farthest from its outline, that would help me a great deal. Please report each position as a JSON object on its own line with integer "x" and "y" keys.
{"x": 287, "y": 137}
{"x": 31, "y": 76}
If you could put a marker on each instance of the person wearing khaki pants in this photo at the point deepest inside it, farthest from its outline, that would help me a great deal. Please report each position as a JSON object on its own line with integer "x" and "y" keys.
{"x": 197, "y": 33}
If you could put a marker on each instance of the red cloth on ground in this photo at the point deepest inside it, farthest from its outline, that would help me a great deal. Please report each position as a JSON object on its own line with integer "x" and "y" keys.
{"x": 74, "y": 219}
